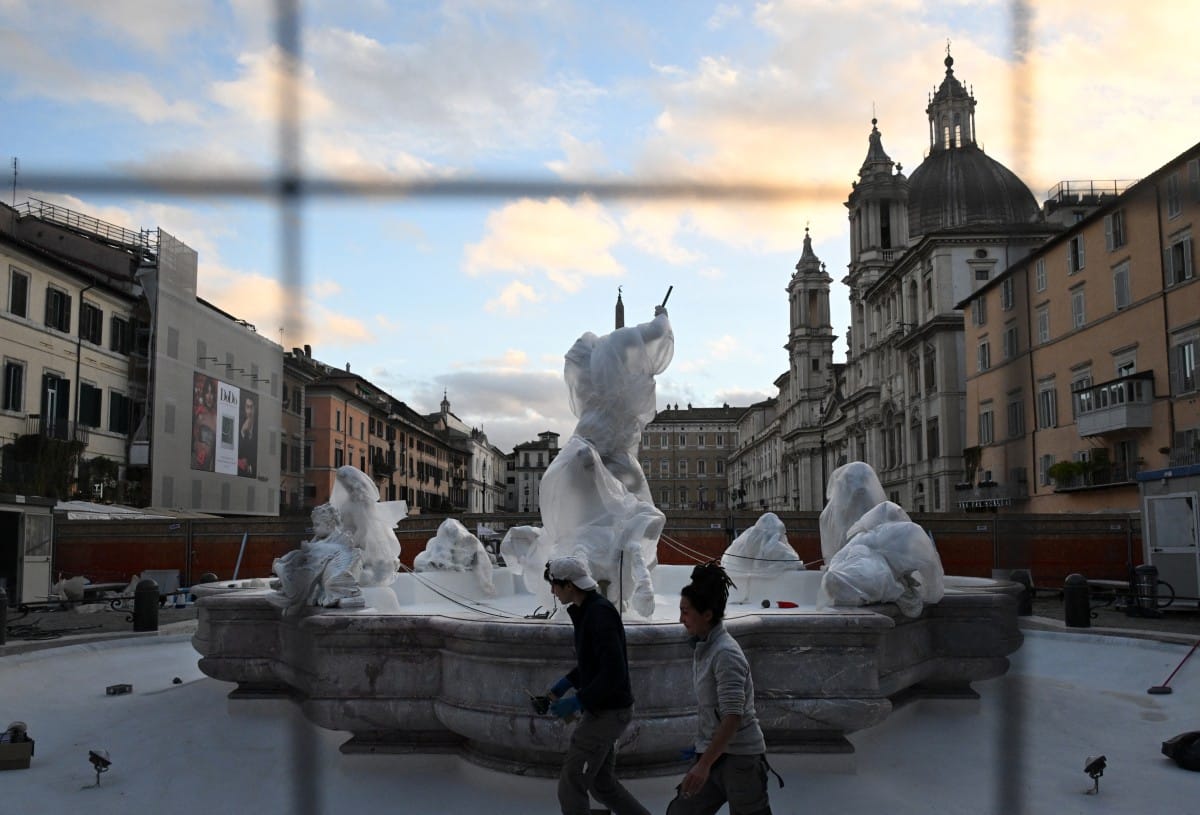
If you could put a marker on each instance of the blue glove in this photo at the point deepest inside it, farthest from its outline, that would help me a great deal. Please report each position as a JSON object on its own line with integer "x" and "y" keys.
{"x": 566, "y": 707}
{"x": 560, "y": 687}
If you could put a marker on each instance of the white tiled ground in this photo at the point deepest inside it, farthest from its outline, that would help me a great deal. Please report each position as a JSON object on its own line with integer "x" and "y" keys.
{"x": 184, "y": 748}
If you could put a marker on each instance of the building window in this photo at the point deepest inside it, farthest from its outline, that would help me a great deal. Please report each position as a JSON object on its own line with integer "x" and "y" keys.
{"x": 1044, "y": 465}
{"x": 683, "y": 497}
{"x": 18, "y": 294}
{"x": 1082, "y": 397}
{"x": 1121, "y": 295}
{"x": 14, "y": 385}
{"x": 646, "y": 466}
{"x": 1114, "y": 230}
{"x": 1078, "y": 308}
{"x": 118, "y": 412}
{"x": 1016, "y": 416}
{"x": 683, "y": 468}
{"x": 307, "y": 418}
{"x": 339, "y": 457}
{"x": 1039, "y": 274}
{"x": 682, "y": 440}
{"x": 700, "y": 440}
{"x": 1179, "y": 261}
{"x": 1174, "y": 206}
{"x": 927, "y": 284}
{"x": 1010, "y": 342}
{"x": 930, "y": 369}
{"x": 118, "y": 335}
{"x": 932, "y": 443}
{"x": 1043, "y": 325}
{"x": 307, "y": 454}
{"x": 1006, "y": 294}
{"x": 720, "y": 465}
{"x": 90, "y": 398}
{"x": 1047, "y": 406}
{"x": 702, "y": 468}
{"x": 979, "y": 311}
{"x": 1183, "y": 368}
{"x": 986, "y": 429}
{"x": 664, "y": 497}
{"x": 664, "y": 467}
{"x": 91, "y": 323}
{"x": 719, "y": 441}
{"x": 58, "y": 309}
{"x": 985, "y": 356}
{"x": 1075, "y": 255}
{"x": 338, "y": 426}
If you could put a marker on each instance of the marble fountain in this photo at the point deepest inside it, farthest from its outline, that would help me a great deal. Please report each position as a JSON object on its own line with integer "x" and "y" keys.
{"x": 443, "y": 659}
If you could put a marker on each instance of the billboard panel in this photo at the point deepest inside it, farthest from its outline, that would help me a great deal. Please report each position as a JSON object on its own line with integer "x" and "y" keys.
{"x": 224, "y": 427}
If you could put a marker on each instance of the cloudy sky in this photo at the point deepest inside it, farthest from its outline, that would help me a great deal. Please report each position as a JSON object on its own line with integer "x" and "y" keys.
{"x": 479, "y": 296}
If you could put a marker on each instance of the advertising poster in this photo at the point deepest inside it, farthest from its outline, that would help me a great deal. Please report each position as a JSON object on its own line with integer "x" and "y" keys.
{"x": 224, "y": 427}
{"x": 247, "y": 446}
{"x": 204, "y": 422}
{"x": 227, "y": 428}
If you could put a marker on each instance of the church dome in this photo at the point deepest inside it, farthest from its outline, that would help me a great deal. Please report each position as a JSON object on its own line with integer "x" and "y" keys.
{"x": 963, "y": 186}
{"x": 958, "y": 185}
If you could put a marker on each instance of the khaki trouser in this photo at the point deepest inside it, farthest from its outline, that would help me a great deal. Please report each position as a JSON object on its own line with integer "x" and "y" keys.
{"x": 590, "y": 766}
{"x": 740, "y": 780}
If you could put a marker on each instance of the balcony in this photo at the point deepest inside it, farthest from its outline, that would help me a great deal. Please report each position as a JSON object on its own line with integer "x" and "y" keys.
{"x": 988, "y": 495}
{"x": 53, "y": 428}
{"x": 1121, "y": 404}
{"x": 1095, "y": 475}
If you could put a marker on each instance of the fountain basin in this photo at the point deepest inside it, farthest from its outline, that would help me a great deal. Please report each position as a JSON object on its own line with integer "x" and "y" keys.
{"x": 437, "y": 676}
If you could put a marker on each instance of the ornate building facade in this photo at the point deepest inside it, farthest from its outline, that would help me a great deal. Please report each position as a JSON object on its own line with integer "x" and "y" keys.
{"x": 919, "y": 245}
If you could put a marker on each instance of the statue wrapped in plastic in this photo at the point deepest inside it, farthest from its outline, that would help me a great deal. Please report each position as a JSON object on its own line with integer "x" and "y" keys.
{"x": 761, "y": 551}
{"x": 874, "y": 554}
{"x": 595, "y": 502}
{"x": 455, "y": 549}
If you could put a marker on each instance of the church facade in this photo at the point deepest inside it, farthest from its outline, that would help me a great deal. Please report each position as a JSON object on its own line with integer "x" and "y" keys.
{"x": 919, "y": 246}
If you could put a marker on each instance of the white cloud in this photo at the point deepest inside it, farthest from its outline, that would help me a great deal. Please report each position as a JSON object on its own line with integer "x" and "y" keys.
{"x": 512, "y": 297}
{"x": 35, "y": 71}
{"x": 722, "y": 15}
{"x": 582, "y": 159}
{"x": 653, "y": 228}
{"x": 267, "y": 80}
{"x": 567, "y": 242}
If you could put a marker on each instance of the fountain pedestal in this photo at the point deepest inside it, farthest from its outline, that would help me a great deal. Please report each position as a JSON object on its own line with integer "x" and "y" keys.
{"x": 430, "y": 682}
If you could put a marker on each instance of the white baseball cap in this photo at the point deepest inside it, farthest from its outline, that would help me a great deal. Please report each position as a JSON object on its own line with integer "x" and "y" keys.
{"x": 572, "y": 569}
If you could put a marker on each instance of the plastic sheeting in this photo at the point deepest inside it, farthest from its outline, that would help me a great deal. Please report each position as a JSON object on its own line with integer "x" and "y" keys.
{"x": 879, "y": 556}
{"x": 853, "y": 489}
{"x": 455, "y": 549}
{"x": 762, "y": 550}
{"x": 595, "y": 501}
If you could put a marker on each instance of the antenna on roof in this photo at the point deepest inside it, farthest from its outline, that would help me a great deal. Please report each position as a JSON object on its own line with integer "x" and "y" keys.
{"x": 14, "y": 195}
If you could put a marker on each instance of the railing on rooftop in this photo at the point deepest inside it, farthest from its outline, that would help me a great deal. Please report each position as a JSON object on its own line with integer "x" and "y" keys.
{"x": 1071, "y": 193}
{"x": 145, "y": 239}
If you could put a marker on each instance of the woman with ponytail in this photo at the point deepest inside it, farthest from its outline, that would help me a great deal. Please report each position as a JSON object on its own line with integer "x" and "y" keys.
{"x": 731, "y": 763}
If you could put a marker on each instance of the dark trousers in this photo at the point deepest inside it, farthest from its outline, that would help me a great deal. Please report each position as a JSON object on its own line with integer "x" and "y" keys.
{"x": 739, "y": 780}
{"x": 590, "y": 766}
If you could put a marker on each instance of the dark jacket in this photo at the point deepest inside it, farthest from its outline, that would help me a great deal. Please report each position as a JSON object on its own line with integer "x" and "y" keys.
{"x": 601, "y": 676}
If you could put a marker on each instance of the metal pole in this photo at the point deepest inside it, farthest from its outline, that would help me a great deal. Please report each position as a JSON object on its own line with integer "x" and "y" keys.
{"x": 241, "y": 552}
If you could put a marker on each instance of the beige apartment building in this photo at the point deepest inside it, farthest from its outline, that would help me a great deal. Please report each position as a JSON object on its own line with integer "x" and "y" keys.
{"x": 1082, "y": 356}
{"x": 684, "y": 454}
